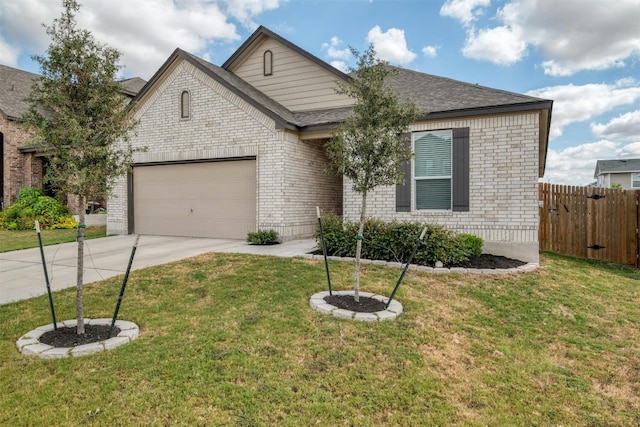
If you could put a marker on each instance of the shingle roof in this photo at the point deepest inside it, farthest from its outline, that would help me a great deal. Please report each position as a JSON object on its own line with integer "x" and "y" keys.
{"x": 15, "y": 85}
{"x": 616, "y": 166}
{"x": 133, "y": 85}
{"x": 434, "y": 94}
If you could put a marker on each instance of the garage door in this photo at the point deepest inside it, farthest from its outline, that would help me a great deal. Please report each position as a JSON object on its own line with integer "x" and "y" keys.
{"x": 214, "y": 199}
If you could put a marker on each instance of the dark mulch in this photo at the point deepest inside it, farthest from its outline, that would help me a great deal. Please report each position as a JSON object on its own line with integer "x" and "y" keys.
{"x": 68, "y": 337}
{"x": 364, "y": 305}
{"x": 487, "y": 261}
{"x": 484, "y": 261}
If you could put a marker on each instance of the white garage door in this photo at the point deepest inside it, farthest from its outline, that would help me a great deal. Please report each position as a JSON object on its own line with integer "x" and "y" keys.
{"x": 214, "y": 199}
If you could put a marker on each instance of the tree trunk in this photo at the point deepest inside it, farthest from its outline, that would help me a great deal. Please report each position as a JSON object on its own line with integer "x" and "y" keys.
{"x": 80, "y": 270}
{"x": 356, "y": 279}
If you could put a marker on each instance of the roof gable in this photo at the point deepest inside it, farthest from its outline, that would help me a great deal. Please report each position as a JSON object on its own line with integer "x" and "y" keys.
{"x": 617, "y": 166}
{"x": 291, "y": 76}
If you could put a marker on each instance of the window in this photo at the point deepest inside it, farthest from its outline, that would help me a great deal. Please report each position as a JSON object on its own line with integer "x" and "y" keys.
{"x": 432, "y": 169}
{"x": 185, "y": 100}
{"x": 438, "y": 177}
{"x": 635, "y": 180}
{"x": 268, "y": 63}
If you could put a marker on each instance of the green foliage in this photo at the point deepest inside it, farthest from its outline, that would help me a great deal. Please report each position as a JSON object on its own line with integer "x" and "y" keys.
{"x": 31, "y": 205}
{"x": 78, "y": 111}
{"x": 473, "y": 243}
{"x": 616, "y": 186}
{"x": 368, "y": 148}
{"x": 263, "y": 237}
{"x": 395, "y": 240}
{"x": 29, "y": 195}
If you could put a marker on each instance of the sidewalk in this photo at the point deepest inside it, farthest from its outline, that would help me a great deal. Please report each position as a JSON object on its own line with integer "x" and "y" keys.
{"x": 22, "y": 275}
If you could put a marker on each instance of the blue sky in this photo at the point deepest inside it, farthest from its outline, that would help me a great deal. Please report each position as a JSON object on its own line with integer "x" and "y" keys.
{"x": 583, "y": 54}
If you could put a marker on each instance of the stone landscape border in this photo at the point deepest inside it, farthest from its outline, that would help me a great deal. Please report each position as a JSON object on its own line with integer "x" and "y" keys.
{"x": 318, "y": 303}
{"x": 435, "y": 270}
{"x": 29, "y": 344}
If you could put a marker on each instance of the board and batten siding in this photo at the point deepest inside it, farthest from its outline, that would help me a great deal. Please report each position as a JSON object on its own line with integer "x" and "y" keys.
{"x": 297, "y": 82}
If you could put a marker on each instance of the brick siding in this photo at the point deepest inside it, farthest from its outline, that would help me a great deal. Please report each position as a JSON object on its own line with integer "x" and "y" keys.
{"x": 290, "y": 176}
{"x": 503, "y": 175}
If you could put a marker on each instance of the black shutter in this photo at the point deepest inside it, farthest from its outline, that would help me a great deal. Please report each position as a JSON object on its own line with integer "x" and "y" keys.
{"x": 461, "y": 169}
{"x": 403, "y": 191}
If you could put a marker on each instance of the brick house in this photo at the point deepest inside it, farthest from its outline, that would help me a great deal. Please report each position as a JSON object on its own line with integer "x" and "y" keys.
{"x": 239, "y": 147}
{"x": 23, "y": 163}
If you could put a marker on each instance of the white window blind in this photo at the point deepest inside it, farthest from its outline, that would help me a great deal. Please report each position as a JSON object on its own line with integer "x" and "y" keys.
{"x": 432, "y": 169}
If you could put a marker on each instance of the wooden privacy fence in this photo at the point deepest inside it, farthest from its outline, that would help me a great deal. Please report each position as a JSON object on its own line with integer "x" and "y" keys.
{"x": 589, "y": 222}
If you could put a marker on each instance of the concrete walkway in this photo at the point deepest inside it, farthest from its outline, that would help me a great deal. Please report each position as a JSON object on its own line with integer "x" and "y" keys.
{"x": 22, "y": 275}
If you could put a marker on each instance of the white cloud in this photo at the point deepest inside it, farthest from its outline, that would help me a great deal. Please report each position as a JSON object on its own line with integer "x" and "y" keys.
{"x": 340, "y": 65}
{"x": 391, "y": 45}
{"x": 500, "y": 45}
{"x": 334, "y": 51}
{"x": 625, "y": 126}
{"x": 465, "y": 11}
{"x": 8, "y": 54}
{"x": 430, "y": 51}
{"x": 144, "y": 31}
{"x": 245, "y": 10}
{"x": 571, "y": 35}
{"x": 576, "y": 165}
{"x": 578, "y": 103}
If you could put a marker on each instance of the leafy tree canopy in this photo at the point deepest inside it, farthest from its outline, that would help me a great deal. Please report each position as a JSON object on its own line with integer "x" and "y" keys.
{"x": 78, "y": 110}
{"x": 367, "y": 148}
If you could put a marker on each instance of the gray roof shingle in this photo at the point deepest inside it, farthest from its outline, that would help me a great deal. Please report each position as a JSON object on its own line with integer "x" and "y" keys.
{"x": 15, "y": 86}
{"x": 616, "y": 166}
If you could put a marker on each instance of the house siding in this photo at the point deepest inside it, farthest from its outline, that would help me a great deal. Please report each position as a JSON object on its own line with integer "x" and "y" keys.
{"x": 221, "y": 126}
{"x": 20, "y": 170}
{"x": 297, "y": 83}
{"x": 503, "y": 175}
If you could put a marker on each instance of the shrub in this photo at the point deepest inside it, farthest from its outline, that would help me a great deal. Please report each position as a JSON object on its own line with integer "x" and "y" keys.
{"x": 395, "y": 240}
{"x": 31, "y": 205}
{"x": 263, "y": 237}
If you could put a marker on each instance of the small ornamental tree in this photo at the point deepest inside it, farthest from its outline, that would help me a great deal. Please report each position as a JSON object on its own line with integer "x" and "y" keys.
{"x": 79, "y": 113}
{"x": 367, "y": 148}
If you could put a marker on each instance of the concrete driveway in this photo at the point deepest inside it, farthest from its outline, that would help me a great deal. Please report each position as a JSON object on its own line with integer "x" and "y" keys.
{"x": 22, "y": 275}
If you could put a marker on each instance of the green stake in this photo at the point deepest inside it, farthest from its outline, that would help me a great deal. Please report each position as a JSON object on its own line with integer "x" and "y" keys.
{"x": 124, "y": 285}
{"x": 46, "y": 277}
{"x": 324, "y": 250}
{"x": 406, "y": 267}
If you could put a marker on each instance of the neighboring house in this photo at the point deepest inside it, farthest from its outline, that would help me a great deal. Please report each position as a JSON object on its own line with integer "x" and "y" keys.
{"x": 241, "y": 147}
{"x": 625, "y": 172}
{"x": 23, "y": 164}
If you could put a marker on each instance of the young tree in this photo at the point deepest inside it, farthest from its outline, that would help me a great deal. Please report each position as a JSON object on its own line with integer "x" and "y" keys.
{"x": 79, "y": 113}
{"x": 368, "y": 147}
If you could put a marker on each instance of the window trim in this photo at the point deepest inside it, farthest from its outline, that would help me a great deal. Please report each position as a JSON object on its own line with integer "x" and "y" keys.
{"x": 638, "y": 175}
{"x": 415, "y": 178}
{"x": 267, "y": 63}
{"x": 185, "y": 98}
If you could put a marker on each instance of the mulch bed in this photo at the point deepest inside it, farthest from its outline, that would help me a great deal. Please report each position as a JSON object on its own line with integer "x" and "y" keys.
{"x": 484, "y": 261}
{"x": 364, "y": 305}
{"x": 68, "y": 337}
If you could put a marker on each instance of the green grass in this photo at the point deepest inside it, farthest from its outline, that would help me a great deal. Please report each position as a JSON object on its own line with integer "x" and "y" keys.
{"x": 15, "y": 240}
{"x": 230, "y": 340}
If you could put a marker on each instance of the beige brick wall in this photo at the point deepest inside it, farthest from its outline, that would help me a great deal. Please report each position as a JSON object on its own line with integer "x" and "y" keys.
{"x": 222, "y": 125}
{"x": 503, "y": 178}
{"x": 19, "y": 169}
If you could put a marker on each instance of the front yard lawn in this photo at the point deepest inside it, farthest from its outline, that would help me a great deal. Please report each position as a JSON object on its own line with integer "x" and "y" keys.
{"x": 230, "y": 340}
{"x": 25, "y": 239}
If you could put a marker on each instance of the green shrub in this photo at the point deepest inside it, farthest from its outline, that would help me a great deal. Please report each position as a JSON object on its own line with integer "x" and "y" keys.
{"x": 28, "y": 196}
{"x": 395, "y": 240}
{"x": 263, "y": 237}
{"x": 31, "y": 205}
{"x": 474, "y": 244}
